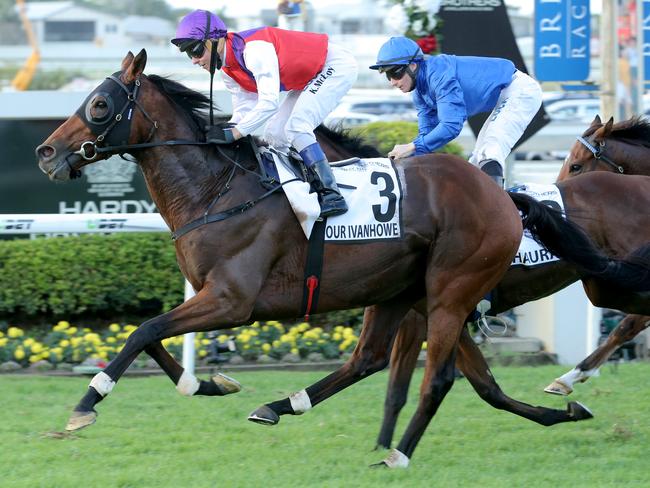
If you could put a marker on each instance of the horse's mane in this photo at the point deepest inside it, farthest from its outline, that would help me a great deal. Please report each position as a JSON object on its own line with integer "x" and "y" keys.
{"x": 635, "y": 130}
{"x": 354, "y": 144}
{"x": 192, "y": 103}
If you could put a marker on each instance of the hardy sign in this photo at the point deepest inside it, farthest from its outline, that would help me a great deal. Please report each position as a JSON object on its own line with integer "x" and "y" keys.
{"x": 562, "y": 34}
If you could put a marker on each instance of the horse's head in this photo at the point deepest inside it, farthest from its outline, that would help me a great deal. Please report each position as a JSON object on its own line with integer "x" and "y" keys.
{"x": 112, "y": 115}
{"x": 586, "y": 153}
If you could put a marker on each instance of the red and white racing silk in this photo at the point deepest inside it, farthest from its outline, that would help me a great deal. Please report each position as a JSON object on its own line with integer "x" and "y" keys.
{"x": 315, "y": 73}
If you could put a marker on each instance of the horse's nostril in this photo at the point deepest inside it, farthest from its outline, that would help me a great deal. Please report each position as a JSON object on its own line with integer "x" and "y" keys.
{"x": 45, "y": 152}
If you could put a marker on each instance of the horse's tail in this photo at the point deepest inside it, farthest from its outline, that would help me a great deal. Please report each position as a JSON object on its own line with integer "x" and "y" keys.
{"x": 568, "y": 241}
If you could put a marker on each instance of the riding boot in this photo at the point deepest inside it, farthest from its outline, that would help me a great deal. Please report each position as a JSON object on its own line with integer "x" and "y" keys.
{"x": 493, "y": 169}
{"x": 329, "y": 196}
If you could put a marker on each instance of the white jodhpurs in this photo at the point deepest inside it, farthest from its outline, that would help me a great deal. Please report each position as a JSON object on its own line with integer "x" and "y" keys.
{"x": 515, "y": 108}
{"x": 302, "y": 111}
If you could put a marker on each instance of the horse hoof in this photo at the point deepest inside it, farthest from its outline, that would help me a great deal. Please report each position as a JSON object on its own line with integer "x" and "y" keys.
{"x": 265, "y": 416}
{"x": 226, "y": 384}
{"x": 79, "y": 420}
{"x": 558, "y": 388}
{"x": 579, "y": 412}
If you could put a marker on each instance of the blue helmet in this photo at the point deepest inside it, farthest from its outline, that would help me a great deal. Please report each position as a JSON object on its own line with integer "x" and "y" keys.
{"x": 398, "y": 51}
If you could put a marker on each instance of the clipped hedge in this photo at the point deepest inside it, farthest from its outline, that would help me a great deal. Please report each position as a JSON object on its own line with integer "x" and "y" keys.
{"x": 89, "y": 274}
{"x": 385, "y": 135}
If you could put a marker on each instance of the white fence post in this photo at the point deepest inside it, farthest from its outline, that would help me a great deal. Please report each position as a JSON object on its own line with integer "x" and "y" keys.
{"x": 189, "y": 354}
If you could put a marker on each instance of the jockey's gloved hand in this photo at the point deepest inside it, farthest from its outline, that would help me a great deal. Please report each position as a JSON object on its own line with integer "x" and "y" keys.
{"x": 219, "y": 135}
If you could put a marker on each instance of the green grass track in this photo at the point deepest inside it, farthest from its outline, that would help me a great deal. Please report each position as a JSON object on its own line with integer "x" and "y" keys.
{"x": 147, "y": 435}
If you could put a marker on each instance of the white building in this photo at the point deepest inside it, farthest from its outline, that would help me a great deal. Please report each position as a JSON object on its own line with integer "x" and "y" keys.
{"x": 65, "y": 23}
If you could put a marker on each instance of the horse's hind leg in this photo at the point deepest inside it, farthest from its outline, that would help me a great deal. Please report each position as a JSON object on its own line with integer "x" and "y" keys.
{"x": 407, "y": 347}
{"x": 186, "y": 383}
{"x": 625, "y": 331}
{"x": 471, "y": 362}
{"x": 370, "y": 355}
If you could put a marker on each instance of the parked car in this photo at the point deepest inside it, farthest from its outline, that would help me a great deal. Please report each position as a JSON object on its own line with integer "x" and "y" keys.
{"x": 582, "y": 110}
{"x": 345, "y": 120}
{"x": 355, "y": 110}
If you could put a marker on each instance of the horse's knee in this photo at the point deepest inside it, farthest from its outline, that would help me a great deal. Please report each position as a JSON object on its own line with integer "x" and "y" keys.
{"x": 144, "y": 336}
{"x": 396, "y": 399}
{"x": 433, "y": 392}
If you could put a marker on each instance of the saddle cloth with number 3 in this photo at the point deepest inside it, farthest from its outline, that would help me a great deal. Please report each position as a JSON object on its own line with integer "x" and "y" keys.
{"x": 372, "y": 190}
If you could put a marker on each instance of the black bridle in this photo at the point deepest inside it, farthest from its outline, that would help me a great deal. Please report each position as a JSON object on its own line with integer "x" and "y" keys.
{"x": 116, "y": 142}
{"x": 599, "y": 153}
{"x": 107, "y": 139}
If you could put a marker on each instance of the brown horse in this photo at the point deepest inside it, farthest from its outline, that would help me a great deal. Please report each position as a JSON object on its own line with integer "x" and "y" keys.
{"x": 622, "y": 148}
{"x": 412, "y": 334}
{"x": 516, "y": 289}
{"x": 460, "y": 232}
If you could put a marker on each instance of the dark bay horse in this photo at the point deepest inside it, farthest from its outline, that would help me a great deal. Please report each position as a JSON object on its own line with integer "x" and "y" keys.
{"x": 460, "y": 233}
{"x": 615, "y": 223}
{"x": 624, "y": 148}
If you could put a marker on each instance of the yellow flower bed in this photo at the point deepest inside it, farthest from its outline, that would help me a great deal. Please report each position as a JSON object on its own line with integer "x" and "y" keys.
{"x": 67, "y": 343}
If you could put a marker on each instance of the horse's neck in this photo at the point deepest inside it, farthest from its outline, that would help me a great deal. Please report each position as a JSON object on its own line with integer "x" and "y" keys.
{"x": 181, "y": 182}
{"x": 634, "y": 158}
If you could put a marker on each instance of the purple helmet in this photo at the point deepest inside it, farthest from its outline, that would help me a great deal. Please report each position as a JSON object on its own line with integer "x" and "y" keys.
{"x": 199, "y": 25}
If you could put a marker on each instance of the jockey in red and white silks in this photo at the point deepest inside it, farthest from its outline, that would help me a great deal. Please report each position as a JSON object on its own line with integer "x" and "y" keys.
{"x": 270, "y": 68}
{"x": 258, "y": 65}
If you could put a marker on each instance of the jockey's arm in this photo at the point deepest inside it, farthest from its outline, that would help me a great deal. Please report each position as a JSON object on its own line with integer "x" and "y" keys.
{"x": 450, "y": 113}
{"x": 262, "y": 61}
{"x": 243, "y": 101}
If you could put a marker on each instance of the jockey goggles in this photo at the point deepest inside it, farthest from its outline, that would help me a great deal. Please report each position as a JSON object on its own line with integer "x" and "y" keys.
{"x": 194, "y": 48}
{"x": 394, "y": 72}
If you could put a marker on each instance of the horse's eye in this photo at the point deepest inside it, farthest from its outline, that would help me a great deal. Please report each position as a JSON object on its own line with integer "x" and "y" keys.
{"x": 99, "y": 109}
{"x": 574, "y": 168}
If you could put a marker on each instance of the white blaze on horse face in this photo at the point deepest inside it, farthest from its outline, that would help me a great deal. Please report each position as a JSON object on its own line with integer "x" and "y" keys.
{"x": 187, "y": 384}
{"x": 300, "y": 402}
{"x": 102, "y": 383}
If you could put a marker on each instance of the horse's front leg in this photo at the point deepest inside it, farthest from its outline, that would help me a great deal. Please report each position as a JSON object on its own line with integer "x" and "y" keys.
{"x": 444, "y": 327}
{"x": 407, "y": 347}
{"x": 186, "y": 383}
{"x": 204, "y": 311}
{"x": 380, "y": 324}
{"x": 626, "y": 330}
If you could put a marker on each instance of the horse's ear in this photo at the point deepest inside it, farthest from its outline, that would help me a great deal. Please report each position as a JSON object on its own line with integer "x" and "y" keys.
{"x": 596, "y": 121}
{"x": 608, "y": 127}
{"x": 136, "y": 68}
{"x": 604, "y": 131}
{"x": 128, "y": 59}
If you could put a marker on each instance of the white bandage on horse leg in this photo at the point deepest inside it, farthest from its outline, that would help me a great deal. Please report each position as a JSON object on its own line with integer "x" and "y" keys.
{"x": 102, "y": 383}
{"x": 396, "y": 459}
{"x": 300, "y": 402}
{"x": 576, "y": 375}
{"x": 570, "y": 378}
{"x": 187, "y": 384}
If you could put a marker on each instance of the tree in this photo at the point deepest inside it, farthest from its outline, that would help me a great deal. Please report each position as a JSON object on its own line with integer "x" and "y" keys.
{"x": 151, "y": 8}
{"x": 7, "y": 11}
